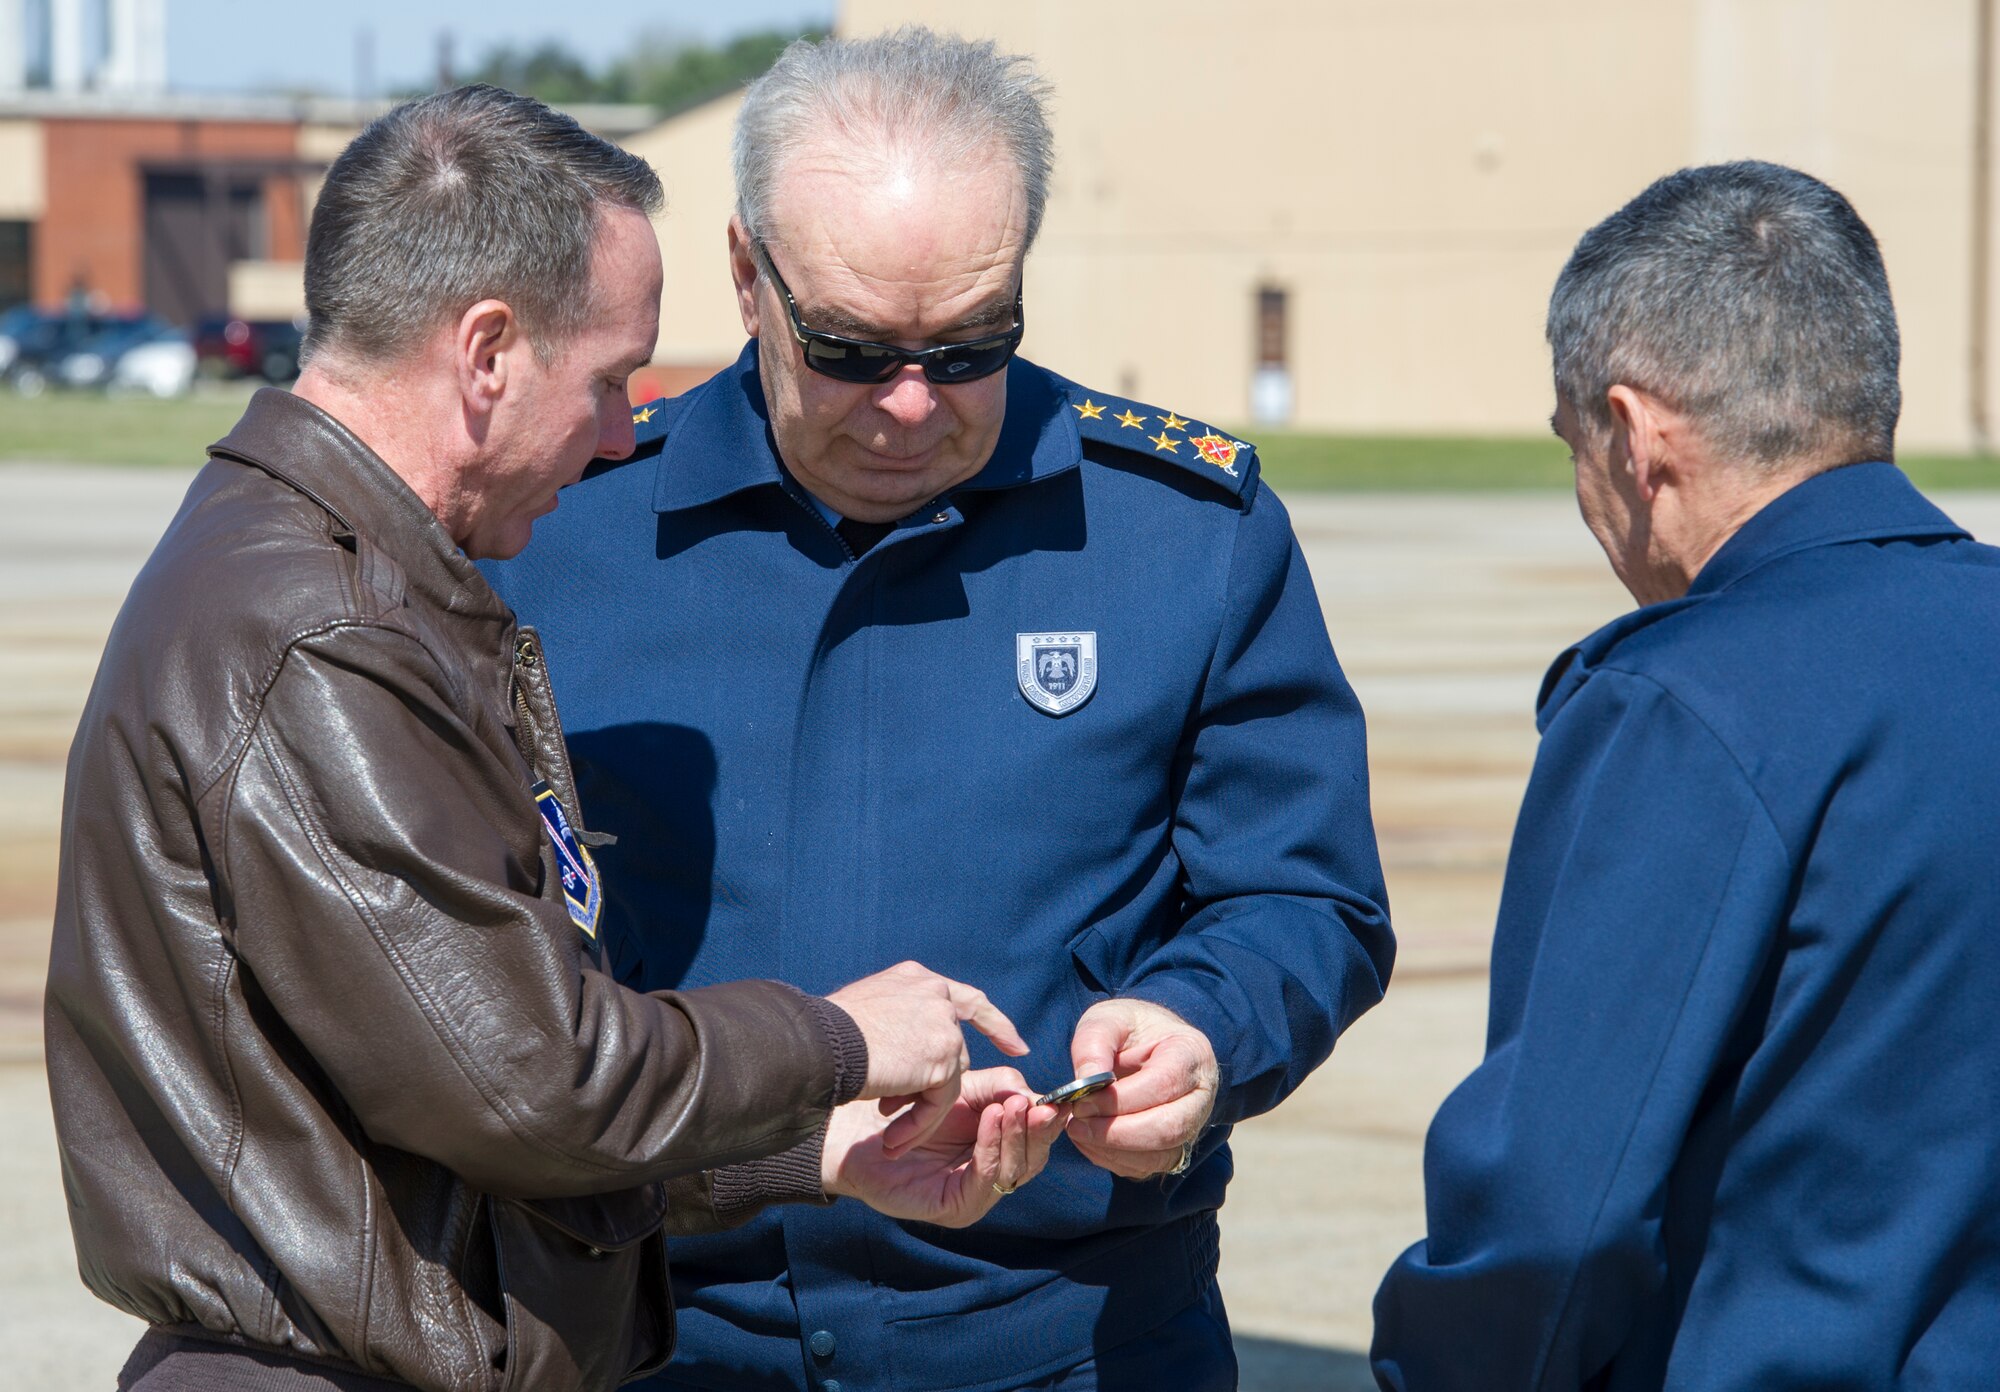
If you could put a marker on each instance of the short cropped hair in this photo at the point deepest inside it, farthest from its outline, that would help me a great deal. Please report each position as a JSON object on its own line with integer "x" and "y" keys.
{"x": 1748, "y": 296}
{"x": 947, "y": 98}
{"x": 455, "y": 198}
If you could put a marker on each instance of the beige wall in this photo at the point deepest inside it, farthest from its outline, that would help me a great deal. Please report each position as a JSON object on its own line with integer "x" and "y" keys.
{"x": 699, "y": 324}
{"x": 267, "y": 289}
{"x": 21, "y": 177}
{"x": 1412, "y": 173}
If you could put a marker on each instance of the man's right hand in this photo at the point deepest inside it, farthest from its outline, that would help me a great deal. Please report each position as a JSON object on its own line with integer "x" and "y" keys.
{"x": 911, "y": 1018}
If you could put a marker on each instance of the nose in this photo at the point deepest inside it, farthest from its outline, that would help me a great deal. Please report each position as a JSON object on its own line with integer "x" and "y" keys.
{"x": 615, "y": 436}
{"x": 907, "y": 397}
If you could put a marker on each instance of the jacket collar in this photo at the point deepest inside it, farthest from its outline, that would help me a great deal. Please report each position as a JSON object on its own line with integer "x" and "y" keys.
{"x": 720, "y": 442}
{"x": 1856, "y": 502}
{"x": 293, "y": 440}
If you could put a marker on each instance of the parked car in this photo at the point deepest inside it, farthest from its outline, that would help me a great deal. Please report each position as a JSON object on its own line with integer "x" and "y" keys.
{"x": 267, "y": 348}
{"x": 162, "y": 367}
{"x": 147, "y": 354}
{"x": 36, "y": 340}
{"x": 15, "y": 323}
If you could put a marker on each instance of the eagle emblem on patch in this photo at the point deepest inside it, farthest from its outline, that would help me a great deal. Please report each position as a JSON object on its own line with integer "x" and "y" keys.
{"x": 1057, "y": 672}
{"x": 583, "y": 891}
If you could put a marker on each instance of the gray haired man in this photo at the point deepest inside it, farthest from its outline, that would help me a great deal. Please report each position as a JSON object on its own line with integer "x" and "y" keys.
{"x": 1736, "y": 1125}
{"x": 973, "y": 661}
{"x": 345, "y": 1094}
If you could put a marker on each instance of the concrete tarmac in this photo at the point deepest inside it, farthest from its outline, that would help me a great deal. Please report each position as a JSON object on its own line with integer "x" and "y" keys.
{"x": 1445, "y": 611}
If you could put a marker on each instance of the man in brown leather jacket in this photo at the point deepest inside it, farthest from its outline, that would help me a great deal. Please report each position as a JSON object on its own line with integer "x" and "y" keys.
{"x": 345, "y": 1093}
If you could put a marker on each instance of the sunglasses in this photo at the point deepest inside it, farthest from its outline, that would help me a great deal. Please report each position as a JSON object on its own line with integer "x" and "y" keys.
{"x": 859, "y": 360}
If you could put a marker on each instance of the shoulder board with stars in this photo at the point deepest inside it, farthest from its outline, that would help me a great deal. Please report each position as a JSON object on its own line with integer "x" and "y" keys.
{"x": 1200, "y": 449}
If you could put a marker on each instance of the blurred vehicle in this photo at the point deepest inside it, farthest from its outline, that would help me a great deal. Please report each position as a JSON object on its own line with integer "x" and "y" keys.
{"x": 162, "y": 367}
{"x": 146, "y": 354}
{"x": 36, "y": 340}
{"x": 267, "y": 348}
{"x": 13, "y": 324}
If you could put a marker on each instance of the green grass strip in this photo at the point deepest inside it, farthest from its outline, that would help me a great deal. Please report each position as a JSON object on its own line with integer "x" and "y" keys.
{"x": 59, "y": 427}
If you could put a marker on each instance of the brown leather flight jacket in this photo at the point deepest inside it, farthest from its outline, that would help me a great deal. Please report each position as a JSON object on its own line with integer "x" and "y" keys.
{"x": 334, "y": 1070}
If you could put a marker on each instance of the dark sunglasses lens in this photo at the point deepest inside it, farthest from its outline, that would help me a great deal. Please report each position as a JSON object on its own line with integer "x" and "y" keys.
{"x": 970, "y": 363}
{"x": 851, "y": 362}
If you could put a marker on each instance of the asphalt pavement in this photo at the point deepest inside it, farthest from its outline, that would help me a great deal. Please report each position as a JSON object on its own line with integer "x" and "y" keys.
{"x": 1445, "y": 609}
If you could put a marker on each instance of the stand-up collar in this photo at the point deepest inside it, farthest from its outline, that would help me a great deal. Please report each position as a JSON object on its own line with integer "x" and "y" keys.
{"x": 293, "y": 440}
{"x": 1858, "y": 502}
{"x": 721, "y": 443}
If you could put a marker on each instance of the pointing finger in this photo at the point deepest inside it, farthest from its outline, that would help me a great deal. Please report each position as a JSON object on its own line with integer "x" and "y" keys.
{"x": 986, "y": 1017}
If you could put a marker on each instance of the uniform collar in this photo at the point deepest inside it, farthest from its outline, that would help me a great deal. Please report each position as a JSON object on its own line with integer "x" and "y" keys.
{"x": 720, "y": 442}
{"x": 293, "y": 440}
{"x": 1856, "y": 502}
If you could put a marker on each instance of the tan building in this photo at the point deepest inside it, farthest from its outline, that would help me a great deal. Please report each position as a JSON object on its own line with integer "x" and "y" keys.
{"x": 1371, "y": 198}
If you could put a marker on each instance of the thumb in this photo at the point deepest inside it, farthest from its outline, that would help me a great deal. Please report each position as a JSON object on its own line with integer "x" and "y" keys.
{"x": 1099, "y": 1037}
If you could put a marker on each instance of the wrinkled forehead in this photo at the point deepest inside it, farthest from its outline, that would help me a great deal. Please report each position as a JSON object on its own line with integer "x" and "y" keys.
{"x": 889, "y": 212}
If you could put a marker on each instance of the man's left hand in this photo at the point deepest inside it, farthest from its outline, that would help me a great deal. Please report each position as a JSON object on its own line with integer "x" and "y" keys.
{"x": 992, "y": 1140}
{"x": 1142, "y": 1124}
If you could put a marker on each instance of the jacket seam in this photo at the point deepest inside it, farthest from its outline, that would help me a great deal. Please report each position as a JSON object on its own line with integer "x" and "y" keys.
{"x": 239, "y": 741}
{"x": 1221, "y": 621}
{"x": 367, "y": 914}
{"x": 219, "y": 1023}
{"x": 1742, "y": 772}
{"x": 1570, "y": 1283}
{"x": 1541, "y": 1370}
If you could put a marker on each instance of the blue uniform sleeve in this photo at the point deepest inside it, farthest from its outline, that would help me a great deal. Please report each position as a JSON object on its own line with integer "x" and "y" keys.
{"x": 1644, "y": 894}
{"x": 1286, "y": 939}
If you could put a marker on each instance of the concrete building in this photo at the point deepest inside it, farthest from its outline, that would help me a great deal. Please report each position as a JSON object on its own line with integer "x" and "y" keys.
{"x": 1350, "y": 212}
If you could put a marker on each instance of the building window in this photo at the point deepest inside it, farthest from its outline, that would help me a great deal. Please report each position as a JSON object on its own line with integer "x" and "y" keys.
{"x": 1271, "y": 381}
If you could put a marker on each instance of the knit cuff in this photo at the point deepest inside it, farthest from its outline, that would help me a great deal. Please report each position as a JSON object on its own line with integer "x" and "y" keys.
{"x": 850, "y": 1049}
{"x": 790, "y": 1176}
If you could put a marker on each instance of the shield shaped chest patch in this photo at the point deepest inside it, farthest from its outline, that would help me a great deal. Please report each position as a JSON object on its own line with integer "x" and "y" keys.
{"x": 1056, "y": 671}
{"x": 583, "y": 892}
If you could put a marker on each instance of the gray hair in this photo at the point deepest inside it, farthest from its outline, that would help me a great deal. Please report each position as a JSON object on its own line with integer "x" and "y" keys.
{"x": 1748, "y": 296}
{"x": 948, "y": 97}
{"x": 455, "y": 198}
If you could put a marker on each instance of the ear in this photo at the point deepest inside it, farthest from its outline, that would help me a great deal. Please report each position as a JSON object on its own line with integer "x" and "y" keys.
{"x": 744, "y": 271}
{"x": 485, "y": 345}
{"x": 1645, "y": 426}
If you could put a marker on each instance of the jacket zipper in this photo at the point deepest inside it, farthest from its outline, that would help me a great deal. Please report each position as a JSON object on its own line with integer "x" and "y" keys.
{"x": 547, "y": 754}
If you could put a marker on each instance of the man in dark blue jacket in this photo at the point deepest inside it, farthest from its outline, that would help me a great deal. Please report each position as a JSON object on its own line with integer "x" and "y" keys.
{"x": 883, "y": 646}
{"x": 1739, "y": 1120}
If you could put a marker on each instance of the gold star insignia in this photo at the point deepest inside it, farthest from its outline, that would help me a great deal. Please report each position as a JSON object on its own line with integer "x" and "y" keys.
{"x": 1090, "y": 410}
{"x": 641, "y": 417}
{"x": 1126, "y": 418}
{"x": 1172, "y": 421}
{"x": 1163, "y": 441}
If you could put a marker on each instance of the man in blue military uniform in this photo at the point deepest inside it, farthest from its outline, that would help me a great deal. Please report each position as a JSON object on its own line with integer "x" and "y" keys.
{"x": 883, "y": 646}
{"x": 1736, "y": 1125}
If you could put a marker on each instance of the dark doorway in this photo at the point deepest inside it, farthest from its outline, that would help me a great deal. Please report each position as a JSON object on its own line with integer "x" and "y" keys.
{"x": 16, "y": 247}
{"x": 196, "y": 224}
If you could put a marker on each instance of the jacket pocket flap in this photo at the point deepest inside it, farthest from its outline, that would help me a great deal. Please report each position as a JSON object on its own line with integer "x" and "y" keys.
{"x": 608, "y": 1222}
